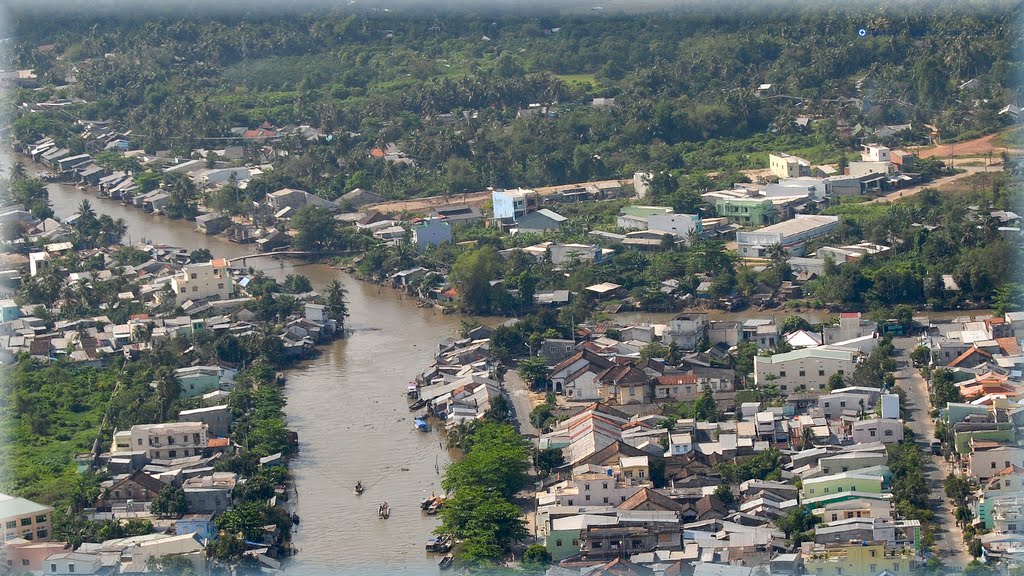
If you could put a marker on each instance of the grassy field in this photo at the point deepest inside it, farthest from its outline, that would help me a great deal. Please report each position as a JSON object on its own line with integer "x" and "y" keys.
{"x": 578, "y": 79}
{"x": 1013, "y": 138}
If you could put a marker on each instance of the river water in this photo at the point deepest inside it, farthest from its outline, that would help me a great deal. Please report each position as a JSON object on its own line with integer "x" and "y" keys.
{"x": 349, "y": 410}
{"x": 348, "y": 407}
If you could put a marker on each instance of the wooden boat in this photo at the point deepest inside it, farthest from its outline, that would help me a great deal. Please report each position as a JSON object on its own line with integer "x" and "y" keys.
{"x": 439, "y": 545}
{"x": 436, "y": 506}
{"x": 427, "y": 502}
{"x": 295, "y": 518}
{"x": 383, "y": 511}
{"x": 359, "y": 488}
{"x": 446, "y": 562}
{"x": 417, "y": 405}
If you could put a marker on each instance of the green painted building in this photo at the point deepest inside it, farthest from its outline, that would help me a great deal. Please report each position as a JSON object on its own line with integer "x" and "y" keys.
{"x": 747, "y": 211}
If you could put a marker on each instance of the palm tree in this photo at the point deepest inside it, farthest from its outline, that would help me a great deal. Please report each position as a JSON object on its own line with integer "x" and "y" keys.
{"x": 777, "y": 254}
{"x": 168, "y": 389}
{"x": 85, "y": 210}
{"x": 337, "y": 307}
{"x": 18, "y": 172}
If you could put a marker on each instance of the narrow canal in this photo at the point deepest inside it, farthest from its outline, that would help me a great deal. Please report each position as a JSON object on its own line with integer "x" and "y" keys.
{"x": 349, "y": 409}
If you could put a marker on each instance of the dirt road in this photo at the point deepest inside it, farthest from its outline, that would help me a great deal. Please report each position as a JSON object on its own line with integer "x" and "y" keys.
{"x": 978, "y": 146}
{"x": 472, "y": 199}
{"x": 937, "y": 184}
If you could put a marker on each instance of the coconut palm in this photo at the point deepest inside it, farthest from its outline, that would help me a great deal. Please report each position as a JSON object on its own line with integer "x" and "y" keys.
{"x": 18, "y": 172}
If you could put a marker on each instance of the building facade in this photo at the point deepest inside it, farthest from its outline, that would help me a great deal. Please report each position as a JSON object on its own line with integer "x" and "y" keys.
{"x": 203, "y": 281}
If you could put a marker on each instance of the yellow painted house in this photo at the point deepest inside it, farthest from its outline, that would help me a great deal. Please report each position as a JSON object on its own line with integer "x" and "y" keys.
{"x": 861, "y": 559}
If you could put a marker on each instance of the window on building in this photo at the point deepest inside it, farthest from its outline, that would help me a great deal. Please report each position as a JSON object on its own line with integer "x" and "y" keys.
{"x": 826, "y": 404}
{"x": 558, "y": 543}
{"x": 53, "y": 568}
{"x": 575, "y": 542}
{"x": 587, "y": 497}
{"x": 835, "y": 517}
{"x": 597, "y": 545}
{"x": 173, "y": 454}
{"x": 193, "y": 275}
{"x": 140, "y": 441}
{"x": 842, "y": 403}
{"x": 26, "y": 521}
{"x": 782, "y": 374}
{"x": 40, "y": 519}
{"x": 570, "y": 502}
{"x": 605, "y": 499}
{"x": 41, "y": 533}
{"x": 12, "y": 524}
{"x": 638, "y": 544}
{"x": 220, "y": 286}
{"x": 872, "y": 433}
{"x": 888, "y": 432}
{"x": 874, "y": 569}
{"x": 803, "y": 373}
{"x": 821, "y": 372}
{"x": 604, "y": 485}
{"x": 993, "y": 465}
{"x": 170, "y": 440}
{"x": 24, "y": 562}
{"x": 195, "y": 288}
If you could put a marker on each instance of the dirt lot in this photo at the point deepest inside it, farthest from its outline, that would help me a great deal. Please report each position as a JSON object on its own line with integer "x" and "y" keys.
{"x": 473, "y": 199}
{"x": 978, "y": 147}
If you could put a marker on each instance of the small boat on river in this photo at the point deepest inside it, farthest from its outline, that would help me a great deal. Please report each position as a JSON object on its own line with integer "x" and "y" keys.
{"x": 417, "y": 405}
{"x": 440, "y": 545}
{"x": 359, "y": 488}
{"x": 435, "y": 506}
{"x": 446, "y": 562}
{"x": 422, "y": 425}
{"x": 383, "y": 511}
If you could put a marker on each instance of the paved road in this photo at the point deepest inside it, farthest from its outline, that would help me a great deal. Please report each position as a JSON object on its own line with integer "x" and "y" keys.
{"x": 948, "y": 537}
{"x": 519, "y": 397}
{"x": 938, "y": 183}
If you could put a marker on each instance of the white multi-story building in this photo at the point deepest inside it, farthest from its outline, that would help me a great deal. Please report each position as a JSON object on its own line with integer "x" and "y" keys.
{"x": 686, "y": 330}
{"x": 168, "y": 440}
{"x": 203, "y": 281}
{"x": 513, "y": 204}
{"x": 806, "y": 367}
{"x": 679, "y": 225}
{"x": 792, "y": 235}
{"x": 884, "y": 430}
{"x": 875, "y": 153}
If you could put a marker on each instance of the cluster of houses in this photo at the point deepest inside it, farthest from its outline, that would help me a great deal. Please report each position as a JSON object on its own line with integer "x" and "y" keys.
{"x": 984, "y": 430}
{"x": 142, "y": 462}
{"x": 212, "y": 296}
{"x": 636, "y": 492}
{"x": 461, "y": 384}
{"x": 146, "y": 458}
{"x": 641, "y": 492}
